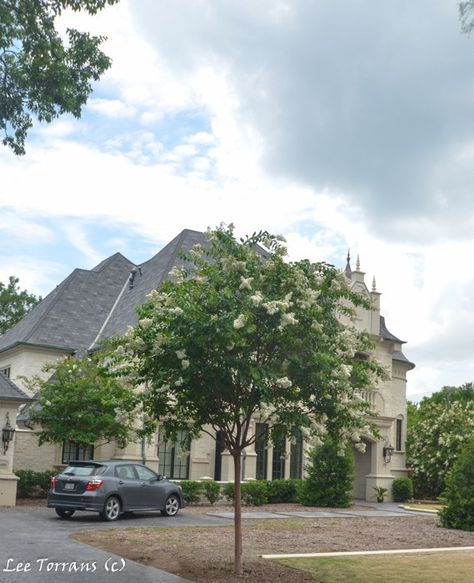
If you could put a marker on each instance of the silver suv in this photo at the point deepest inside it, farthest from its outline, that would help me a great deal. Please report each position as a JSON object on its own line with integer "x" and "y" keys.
{"x": 112, "y": 488}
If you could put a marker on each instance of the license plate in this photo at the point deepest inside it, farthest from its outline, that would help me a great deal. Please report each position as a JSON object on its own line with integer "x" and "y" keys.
{"x": 69, "y": 486}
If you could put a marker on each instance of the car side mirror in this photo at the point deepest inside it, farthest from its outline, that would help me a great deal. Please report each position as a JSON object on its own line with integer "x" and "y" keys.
{"x": 159, "y": 477}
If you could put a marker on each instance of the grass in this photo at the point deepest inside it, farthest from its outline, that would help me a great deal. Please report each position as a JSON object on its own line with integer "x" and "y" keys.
{"x": 446, "y": 567}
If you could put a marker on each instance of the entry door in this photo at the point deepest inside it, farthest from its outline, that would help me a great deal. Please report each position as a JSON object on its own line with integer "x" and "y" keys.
{"x": 362, "y": 466}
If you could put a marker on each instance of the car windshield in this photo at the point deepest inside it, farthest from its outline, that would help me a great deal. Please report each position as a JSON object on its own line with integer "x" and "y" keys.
{"x": 82, "y": 470}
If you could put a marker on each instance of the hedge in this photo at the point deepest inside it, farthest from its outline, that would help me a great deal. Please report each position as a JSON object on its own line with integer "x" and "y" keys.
{"x": 402, "y": 489}
{"x": 33, "y": 484}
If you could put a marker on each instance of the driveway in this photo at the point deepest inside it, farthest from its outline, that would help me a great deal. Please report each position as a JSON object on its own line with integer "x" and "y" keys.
{"x": 35, "y": 548}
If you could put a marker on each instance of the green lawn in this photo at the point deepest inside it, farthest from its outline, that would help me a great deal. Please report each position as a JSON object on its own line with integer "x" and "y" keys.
{"x": 446, "y": 567}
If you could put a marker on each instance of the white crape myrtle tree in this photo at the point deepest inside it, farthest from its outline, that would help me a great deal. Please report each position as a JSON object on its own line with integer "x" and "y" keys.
{"x": 242, "y": 334}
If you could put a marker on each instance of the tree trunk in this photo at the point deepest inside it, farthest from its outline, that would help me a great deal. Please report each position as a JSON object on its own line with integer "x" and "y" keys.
{"x": 237, "y": 515}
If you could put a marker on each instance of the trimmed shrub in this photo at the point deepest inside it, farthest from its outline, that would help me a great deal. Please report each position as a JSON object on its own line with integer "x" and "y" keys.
{"x": 228, "y": 491}
{"x": 211, "y": 491}
{"x": 33, "y": 484}
{"x": 402, "y": 489}
{"x": 329, "y": 481}
{"x": 459, "y": 495}
{"x": 283, "y": 491}
{"x": 255, "y": 493}
{"x": 192, "y": 491}
{"x": 258, "y": 492}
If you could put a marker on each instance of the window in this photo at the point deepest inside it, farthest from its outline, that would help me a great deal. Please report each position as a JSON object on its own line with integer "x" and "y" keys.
{"x": 145, "y": 473}
{"x": 296, "y": 459}
{"x": 398, "y": 437}
{"x": 73, "y": 451}
{"x": 6, "y": 371}
{"x": 125, "y": 472}
{"x": 83, "y": 470}
{"x": 218, "y": 458}
{"x": 278, "y": 460}
{"x": 261, "y": 433}
{"x": 174, "y": 459}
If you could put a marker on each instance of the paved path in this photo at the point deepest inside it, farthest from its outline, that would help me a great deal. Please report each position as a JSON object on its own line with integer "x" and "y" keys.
{"x": 374, "y": 510}
{"x": 36, "y": 536}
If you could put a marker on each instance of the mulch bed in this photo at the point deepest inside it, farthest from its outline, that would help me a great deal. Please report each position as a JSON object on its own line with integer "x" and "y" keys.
{"x": 205, "y": 554}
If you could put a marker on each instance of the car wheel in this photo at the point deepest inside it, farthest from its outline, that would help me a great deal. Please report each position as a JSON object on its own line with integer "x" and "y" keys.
{"x": 172, "y": 506}
{"x": 111, "y": 509}
{"x": 64, "y": 512}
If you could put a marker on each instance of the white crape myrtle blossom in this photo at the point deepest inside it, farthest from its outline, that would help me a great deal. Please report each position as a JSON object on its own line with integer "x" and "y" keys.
{"x": 256, "y": 299}
{"x": 360, "y": 446}
{"x": 288, "y": 319}
{"x": 179, "y": 382}
{"x": 185, "y": 363}
{"x": 145, "y": 322}
{"x": 283, "y": 383}
{"x": 346, "y": 370}
{"x": 177, "y": 311}
{"x": 239, "y": 322}
{"x": 177, "y": 274}
{"x": 181, "y": 354}
{"x": 246, "y": 283}
{"x": 435, "y": 442}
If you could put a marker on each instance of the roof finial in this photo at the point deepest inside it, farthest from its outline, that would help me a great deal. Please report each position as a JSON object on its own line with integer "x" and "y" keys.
{"x": 348, "y": 269}
{"x": 358, "y": 264}
{"x": 374, "y": 285}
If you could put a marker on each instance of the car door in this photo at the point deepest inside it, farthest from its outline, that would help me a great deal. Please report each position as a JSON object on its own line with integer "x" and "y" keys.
{"x": 153, "y": 492}
{"x": 128, "y": 485}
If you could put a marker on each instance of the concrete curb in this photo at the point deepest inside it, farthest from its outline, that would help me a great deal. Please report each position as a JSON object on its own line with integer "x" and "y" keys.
{"x": 419, "y": 510}
{"x": 366, "y": 553}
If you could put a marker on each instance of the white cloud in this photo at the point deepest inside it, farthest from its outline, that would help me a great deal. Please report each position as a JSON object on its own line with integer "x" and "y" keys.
{"x": 310, "y": 132}
{"x": 37, "y": 276}
{"x": 114, "y": 108}
{"x": 16, "y": 227}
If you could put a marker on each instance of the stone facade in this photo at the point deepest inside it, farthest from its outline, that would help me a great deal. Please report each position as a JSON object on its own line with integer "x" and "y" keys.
{"x": 11, "y": 397}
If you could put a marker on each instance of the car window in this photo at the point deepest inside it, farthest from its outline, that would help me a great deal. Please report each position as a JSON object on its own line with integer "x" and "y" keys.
{"x": 145, "y": 473}
{"x": 81, "y": 470}
{"x": 125, "y": 472}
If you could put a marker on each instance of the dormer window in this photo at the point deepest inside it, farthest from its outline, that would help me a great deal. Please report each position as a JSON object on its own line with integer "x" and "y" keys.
{"x": 6, "y": 371}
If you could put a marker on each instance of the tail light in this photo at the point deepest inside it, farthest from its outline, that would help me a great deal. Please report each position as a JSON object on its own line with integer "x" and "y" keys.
{"x": 53, "y": 482}
{"x": 94, "y": 485}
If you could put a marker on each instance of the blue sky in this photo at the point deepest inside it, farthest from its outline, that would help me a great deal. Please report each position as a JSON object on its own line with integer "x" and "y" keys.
{"x": 336, "y": 124}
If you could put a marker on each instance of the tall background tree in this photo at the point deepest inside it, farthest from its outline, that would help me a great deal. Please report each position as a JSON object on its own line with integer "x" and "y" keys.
{"x": 438, "y": 429}
{"x": 466, "y": 13}
{"x": 42, "y": 74}
{"x": 14, "y": 302}
{"x": 243, "y": 334}
{"x": 84, "y": 401}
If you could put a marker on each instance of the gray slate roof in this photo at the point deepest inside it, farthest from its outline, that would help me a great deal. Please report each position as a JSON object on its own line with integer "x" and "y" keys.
{"x": 10, "y": 392}
{"x": 386, "y": 335}
{"x": 71, "y": 316}
{"x": 153, "y": 273}
{"x": 91, "y": 305}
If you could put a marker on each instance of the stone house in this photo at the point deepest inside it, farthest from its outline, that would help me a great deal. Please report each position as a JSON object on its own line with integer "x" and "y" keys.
{"x": 91, "y": 305}
{"x": 11, "y": 397}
